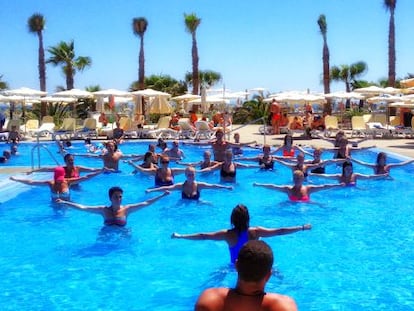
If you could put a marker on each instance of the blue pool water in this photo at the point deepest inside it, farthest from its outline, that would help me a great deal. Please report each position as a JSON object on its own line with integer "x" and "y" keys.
{"x": 358, "y": 256}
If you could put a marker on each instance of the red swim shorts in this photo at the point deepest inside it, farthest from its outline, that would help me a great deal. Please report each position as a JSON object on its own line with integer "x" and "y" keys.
{"x": 276, "y": 116}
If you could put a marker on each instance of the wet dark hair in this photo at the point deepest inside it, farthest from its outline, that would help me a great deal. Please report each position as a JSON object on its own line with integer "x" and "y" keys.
{"x": 240, "y": 218}
{"x": 67, "y": 156}
{"x": 287, "y": 136}
{"x": 255, "y": 261}
{"x": 114, "y": 189}
{"x": 381, "y": 155}
{"x": 345, "y": 165}
{"x": 147, "y": 155}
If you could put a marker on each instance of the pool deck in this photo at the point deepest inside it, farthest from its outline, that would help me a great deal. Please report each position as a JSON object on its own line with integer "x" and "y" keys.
{"x": 401, "y": 146}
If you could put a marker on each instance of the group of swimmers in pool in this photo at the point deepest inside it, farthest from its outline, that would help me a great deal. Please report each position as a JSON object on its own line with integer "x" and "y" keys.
{"x": 293, "y": 157}
{"x": 158, "y": 165}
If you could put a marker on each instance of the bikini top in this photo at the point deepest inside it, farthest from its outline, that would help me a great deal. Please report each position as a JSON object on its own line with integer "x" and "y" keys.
{"x": 294, "y": 198}
{"x": 71, "y": 174}
{"x": 242, "y": 238}
{"x": 289, "y": 153}
{"x": 193, "y": 196}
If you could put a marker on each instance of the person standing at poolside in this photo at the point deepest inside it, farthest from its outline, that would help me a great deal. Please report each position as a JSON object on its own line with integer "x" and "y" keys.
{"x": 298, "y": 192}
{"x": 275, "y": 110}
{"x": 241, "y": 232}
{"x": 116, "y": 214}
{"x": 190, "y": 188}
{"x": 59, "y": 186}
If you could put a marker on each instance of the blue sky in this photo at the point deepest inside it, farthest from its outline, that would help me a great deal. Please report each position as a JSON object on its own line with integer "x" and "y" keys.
{"x": 265, "y": 43}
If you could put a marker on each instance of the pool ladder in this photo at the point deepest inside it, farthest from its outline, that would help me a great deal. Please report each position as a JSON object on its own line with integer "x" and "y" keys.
{"x": 37, "y": 147}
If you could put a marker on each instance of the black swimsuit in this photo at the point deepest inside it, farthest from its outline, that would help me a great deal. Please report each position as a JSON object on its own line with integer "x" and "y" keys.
{"x": 194, "y": 196}
{"x": 267, "y": 165}
{"x": 225, "y": 174}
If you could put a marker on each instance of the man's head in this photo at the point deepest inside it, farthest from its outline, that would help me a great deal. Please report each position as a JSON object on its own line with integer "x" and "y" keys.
{"x": 255, "y": 261}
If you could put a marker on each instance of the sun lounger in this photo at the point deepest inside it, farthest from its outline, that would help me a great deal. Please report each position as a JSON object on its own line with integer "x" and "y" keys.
{"x": 186, "y": 129}
{"x": 359, "y": 127}
{"x": 331, "y": 125}
{"x": 161, "y": 130}
{"x": 88, "y": 129}
{"x": 203, "y": 130}
{"x": 67, "y": 129}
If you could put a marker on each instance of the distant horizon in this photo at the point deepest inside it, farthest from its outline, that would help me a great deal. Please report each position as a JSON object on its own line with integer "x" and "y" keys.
{"x": 268, "y": 44}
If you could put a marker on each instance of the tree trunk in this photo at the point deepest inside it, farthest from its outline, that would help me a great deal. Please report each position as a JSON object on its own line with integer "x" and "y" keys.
{"x": 141, "y": 70}
{"x": 42, "y": 72}
{"x": 194, "y": 53}
{"x": 391, "y": 50}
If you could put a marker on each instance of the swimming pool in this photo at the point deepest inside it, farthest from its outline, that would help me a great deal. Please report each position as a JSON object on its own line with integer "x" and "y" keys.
{"x": 358, "y": 256}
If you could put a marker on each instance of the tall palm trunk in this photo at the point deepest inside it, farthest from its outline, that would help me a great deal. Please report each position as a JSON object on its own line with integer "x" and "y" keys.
{"x": 391, "y": 50}
{"x": 42, "y": 72}
{"x": 194, "y": 53}
{"x": 141, "y": 69}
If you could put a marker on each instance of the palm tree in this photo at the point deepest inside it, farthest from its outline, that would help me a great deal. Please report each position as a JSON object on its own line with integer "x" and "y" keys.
{"x": 3, "y": 84}
{"x": 191, "y": 24}
{"x": 139, "y": 26}
{"x": 325, "y": 60}
{"x": 64, "y": 54}
{"x": 163, "y": 83}
{"x": 207, "y": 78}
{"x": 390, "y": 5}
{"x": 36, "y": 24}
{"x": 325, "y": 53}
{"x": 348, "y": 73}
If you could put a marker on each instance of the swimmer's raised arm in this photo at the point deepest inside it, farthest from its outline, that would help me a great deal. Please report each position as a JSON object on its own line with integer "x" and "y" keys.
{"x": 31, "y": 182}
{"x": 91, "y": 209}
{"x": 137, "y": 206}
{"x": 283, "y": 188}
{"x": 216, "y": 236}
{"x": 269, "y": 232}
